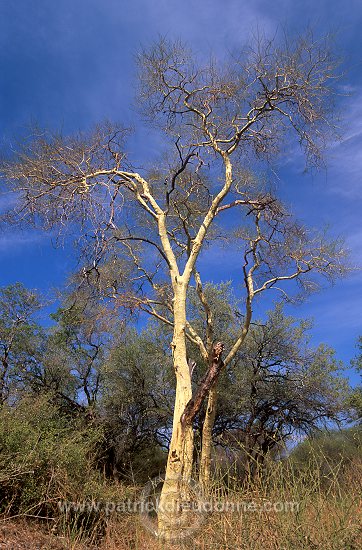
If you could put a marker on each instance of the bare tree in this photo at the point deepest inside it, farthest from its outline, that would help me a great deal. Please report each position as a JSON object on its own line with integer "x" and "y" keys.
{"x": 143, "y": 230}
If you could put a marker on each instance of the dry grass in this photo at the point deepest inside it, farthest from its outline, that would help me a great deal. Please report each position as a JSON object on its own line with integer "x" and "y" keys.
{"x": 325, "y": 519}
{"x": 21, "y": 535}
{"x": 328, "y": 517}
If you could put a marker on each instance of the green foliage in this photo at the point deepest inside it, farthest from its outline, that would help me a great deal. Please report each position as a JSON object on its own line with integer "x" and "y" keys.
{"x": 329, "y": 453}
{"x": 280, "y": 384}
{"x": 93, "y": 367}
{"x": 76, "y": 347}
{"x": 136, "y": 406}
{"x": 356, "y": 403}
{"x": 21, "y": 338}
{"x": 43, "y": 457}
{"x": 357, "y": 361}
{"x": 356, "y": 396}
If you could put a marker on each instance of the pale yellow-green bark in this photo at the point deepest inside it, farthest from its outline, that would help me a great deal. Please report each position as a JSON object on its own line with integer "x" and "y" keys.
{"x": 179, "y": 463}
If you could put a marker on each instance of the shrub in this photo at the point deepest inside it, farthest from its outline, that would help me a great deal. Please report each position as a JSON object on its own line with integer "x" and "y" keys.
{"x": 329, "y": 455}
{"x": 44, "y": 457}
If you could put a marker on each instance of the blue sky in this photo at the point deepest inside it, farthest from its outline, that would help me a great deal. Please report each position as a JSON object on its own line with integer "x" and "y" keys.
{"x": 70, "y": 64}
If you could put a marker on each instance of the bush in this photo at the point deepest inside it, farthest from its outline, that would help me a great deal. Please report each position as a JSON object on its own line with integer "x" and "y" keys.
{"x": 44, "y": 457}
{"x": 330, "y": 454}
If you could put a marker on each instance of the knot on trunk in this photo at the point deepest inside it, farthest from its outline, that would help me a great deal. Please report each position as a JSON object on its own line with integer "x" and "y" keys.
{"x": 217, "y": 351}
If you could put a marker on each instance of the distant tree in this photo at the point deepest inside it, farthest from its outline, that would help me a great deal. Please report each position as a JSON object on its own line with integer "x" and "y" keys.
{"x": 279, "y": 386}
{"x": 330, "y": 454}
{"x": 356, "y": 397}
{"x": 136, "y": 404}
{"x": 63, "y": 359}
{"x": 144, "y": 230}
{"x": 21, "y": 338}
{"x": 77, "y": 346}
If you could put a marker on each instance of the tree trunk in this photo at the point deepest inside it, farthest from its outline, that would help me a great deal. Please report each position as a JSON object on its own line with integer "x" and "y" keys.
{"x": 174, "y": 518}
{"x": 172, "y": 521}
{"x": 206, "y": 445}
{"x": 4, "y": 370}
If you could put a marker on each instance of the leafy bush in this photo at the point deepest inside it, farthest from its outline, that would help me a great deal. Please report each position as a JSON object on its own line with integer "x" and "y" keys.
{"x": 44, "y": 457}
{"x": 329, "y": 455}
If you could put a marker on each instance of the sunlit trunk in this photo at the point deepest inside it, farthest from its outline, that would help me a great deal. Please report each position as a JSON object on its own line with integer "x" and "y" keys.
{"x": 171, "y": 518}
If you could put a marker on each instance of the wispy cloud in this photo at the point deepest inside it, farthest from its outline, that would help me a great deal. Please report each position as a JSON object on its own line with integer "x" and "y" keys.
{"x": 345, "y": 157}
{"x": 14, "y": 242}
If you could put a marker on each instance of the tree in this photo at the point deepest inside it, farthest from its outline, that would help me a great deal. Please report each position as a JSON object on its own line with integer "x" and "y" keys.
{"x": 20, "y": 337}
{"x": 356, "y": 397}
{"x": 70, "y": 354}
{"x": 279, "y": 386}
{"x": 331, "y": 454}
{"x": 136, "y": 404}
{"x": 217, "y": 118}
